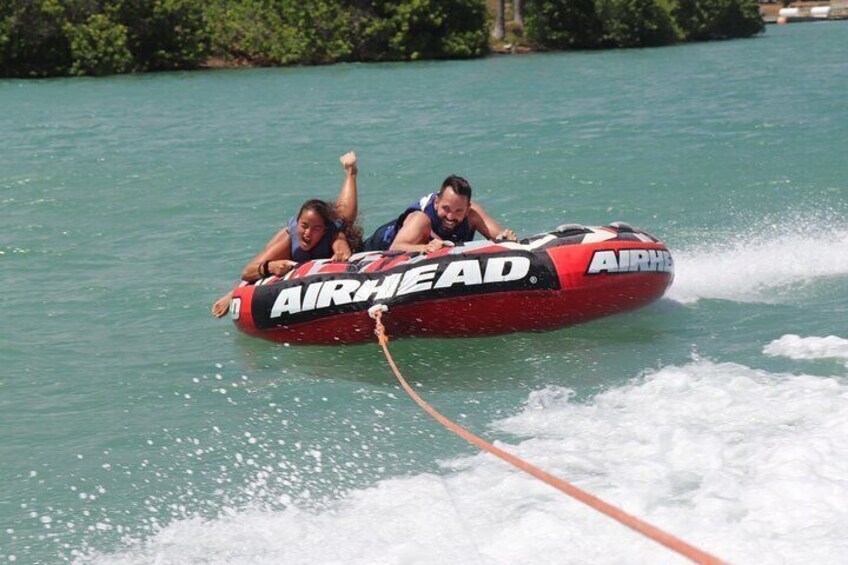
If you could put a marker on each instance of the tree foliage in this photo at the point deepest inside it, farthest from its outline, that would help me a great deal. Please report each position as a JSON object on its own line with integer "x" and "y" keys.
{"x": 98, "y": 47}
{"x": 279, "y": 32}
{"x": 41, "y": 38}
{"x": 635, "y": 23}
{"x": 58, "y": 37}
{"x": 163, "y": 34}
{"x": 717, "y": 19}
{"x": 325, "y": 31}
{"x": 433, "y": 29}
{"x": 566, "y": 24}
{"x": 563, "y": 24}
{"x": 32, "y": 39}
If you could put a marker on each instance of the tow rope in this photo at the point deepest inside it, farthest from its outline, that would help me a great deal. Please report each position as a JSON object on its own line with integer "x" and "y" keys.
{"x": 671, "y": 542}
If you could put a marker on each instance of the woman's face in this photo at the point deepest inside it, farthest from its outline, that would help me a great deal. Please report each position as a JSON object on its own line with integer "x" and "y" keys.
{"x": 310, "y": 229}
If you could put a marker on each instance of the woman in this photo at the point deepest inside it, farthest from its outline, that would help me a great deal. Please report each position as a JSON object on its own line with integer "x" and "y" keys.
{"x": 319, "y": 231}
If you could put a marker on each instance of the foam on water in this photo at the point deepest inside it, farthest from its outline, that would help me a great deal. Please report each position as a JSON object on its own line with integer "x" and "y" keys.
{"x": 746, "y": 464}
{"x": 797, "y": 347}
{"x": 756, "y": 268}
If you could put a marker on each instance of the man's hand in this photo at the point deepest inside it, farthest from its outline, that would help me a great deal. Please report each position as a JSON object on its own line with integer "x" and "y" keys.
{"x": 434, "y": 245}
{"x": 506, "y": 235}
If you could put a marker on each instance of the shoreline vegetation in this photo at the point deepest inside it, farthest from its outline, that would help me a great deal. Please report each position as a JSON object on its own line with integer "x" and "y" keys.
{"x": 48, "y": 38}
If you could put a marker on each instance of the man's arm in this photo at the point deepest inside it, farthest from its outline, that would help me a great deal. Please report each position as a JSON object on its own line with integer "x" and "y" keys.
{"x": 415, "y": 235}
{"x": 488, "y": 227}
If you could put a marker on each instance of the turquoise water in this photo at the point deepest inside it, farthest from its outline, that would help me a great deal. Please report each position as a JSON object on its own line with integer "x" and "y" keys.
{"x": 135, "y": 428}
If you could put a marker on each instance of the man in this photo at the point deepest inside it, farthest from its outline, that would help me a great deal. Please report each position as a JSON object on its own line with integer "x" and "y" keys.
{"x": 448, "y": 216}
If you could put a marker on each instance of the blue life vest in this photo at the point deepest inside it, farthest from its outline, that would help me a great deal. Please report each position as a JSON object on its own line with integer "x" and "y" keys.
{"x": 324, "y": 248}
{"x": 383, "y": 236}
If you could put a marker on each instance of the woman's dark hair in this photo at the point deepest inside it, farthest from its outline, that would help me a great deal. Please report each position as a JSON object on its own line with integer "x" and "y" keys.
{"x": 458, "y": 184}
{"x": 328, "y": 213}
{"x": 353, "y": 233}
{"x": 324, "y": 209}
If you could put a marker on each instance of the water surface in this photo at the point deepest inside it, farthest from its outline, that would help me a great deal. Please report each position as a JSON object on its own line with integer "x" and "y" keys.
{"x": 135, "y": 428}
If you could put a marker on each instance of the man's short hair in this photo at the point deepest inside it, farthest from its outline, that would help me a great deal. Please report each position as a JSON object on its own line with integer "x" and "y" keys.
{"x": 458, "y": 184}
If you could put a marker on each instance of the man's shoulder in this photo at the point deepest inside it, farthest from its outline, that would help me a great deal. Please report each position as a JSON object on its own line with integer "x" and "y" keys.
{"x": 474, "y": 218}
{"x": 417, "y": 226}
{"x": 416, "y": 216}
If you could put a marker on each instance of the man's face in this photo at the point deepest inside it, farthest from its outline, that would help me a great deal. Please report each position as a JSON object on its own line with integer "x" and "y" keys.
{"x": 451, "y": 209}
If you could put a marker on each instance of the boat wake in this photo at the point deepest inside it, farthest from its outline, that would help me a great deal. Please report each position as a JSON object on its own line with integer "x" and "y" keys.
{"x": 797, "y": 347}
{"x": 741, "y": 462}
{"x": 764, "y": 268}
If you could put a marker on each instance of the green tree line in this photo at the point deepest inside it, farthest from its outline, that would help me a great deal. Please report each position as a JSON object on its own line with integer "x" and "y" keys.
{"x": 41, "y": 38}
{"x": 596, "y": 24}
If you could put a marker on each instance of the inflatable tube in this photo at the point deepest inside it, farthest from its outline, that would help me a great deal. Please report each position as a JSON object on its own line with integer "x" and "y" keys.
{"x": 547, "y": 281}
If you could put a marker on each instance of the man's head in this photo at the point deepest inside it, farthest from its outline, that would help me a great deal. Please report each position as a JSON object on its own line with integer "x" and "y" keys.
{"x": 453, "y": 202}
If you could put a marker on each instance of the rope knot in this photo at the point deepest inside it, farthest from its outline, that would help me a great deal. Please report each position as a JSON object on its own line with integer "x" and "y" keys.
{"x": 376, "y": 312}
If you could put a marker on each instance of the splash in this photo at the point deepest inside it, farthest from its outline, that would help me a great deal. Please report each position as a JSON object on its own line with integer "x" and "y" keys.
{"x": 745, "y": 463}
{"x": 763, "y": 268}
{"x": 797, "y": 347}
